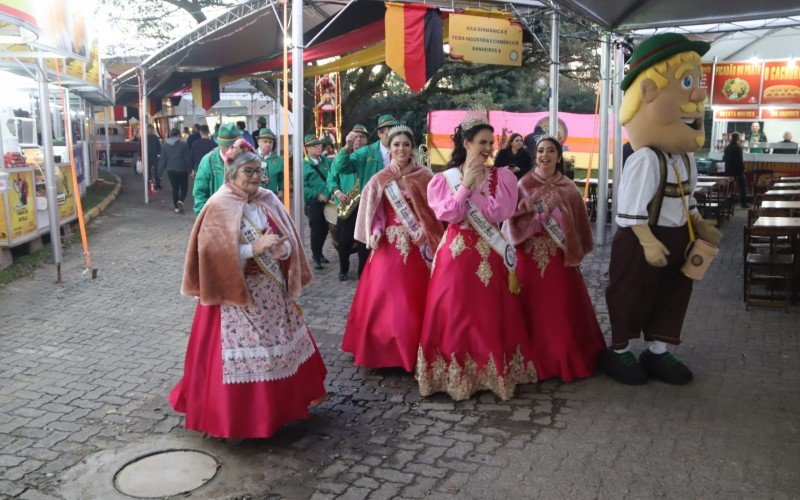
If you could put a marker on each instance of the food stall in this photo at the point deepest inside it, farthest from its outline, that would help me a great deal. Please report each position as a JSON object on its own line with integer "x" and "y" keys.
{"x": 767, "y": 93}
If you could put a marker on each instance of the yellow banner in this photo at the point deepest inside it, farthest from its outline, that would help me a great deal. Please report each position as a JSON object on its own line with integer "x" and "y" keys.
{"x": 486, "y": 40}
{"x": 65, "y": 196}
{"x": 21, "y": 197}
{"x": 3, "y": 229}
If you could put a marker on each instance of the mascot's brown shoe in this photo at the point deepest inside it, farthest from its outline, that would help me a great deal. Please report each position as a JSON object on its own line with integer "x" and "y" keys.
{"x": 622, "y": 367}
{"x": 665, "y": 367}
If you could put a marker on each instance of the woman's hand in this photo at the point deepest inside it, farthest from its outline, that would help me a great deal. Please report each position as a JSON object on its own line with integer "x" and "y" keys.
{"x": 266, "y": 242}
{"x": 473, "y": 172}
{"x": 375, "y": 240}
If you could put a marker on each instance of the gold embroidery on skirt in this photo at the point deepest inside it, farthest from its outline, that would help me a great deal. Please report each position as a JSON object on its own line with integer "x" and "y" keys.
{"x": 457, "y": 246}
{"x": 401, "y": 239}
{"x": 483, "y": 248}
{"x": 541, "y": 248}
{"x": 484, "y": 272}
{"x": 462, "y": 382}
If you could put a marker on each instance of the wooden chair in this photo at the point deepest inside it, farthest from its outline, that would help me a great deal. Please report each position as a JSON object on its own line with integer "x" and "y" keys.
{"x": 767, "y": 275}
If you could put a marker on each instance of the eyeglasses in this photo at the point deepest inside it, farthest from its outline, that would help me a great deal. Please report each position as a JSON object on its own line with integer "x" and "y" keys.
{"x": 250, "y": 171}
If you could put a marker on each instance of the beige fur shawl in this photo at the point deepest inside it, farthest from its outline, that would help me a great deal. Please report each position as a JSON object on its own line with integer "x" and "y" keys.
{"x": 416, "y": 179}
{"x": 213, "y": 271}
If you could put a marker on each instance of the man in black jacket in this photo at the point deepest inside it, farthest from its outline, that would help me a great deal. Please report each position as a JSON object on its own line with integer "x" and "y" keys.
{"x": 153, "y": 151}
{"x": 177, "y": 161}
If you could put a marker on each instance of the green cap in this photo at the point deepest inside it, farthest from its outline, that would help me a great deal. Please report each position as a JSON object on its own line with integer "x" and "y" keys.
{"x": 266, "y": 133}
{"x": 387, "y": 121}
{"x": 227, "y": 135}
{"x": 311, "y": 140}
{"x": 659, "y": 48}
{"x": 360, "y": 128}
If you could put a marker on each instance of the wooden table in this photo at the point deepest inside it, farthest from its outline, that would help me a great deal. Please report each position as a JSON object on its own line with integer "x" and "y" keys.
{"x": 790, "y": 179}
{"x": 778, "y": 222}
{"x": 781, "y": 204}
{"x": 783, "y": 193}
{"x": 786, "y": 185}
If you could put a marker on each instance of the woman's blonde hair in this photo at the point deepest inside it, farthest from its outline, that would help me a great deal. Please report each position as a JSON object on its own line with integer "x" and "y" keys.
{"x": 632, "y": 99}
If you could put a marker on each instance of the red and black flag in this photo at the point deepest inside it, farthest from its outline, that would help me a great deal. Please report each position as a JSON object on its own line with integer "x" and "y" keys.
{"x": 414, "y": 42}
{"x": 205, "y": 91}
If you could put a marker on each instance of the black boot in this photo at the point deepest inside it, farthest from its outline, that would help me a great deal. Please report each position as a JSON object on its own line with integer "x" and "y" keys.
{"x": 665, "y": 367}
{"x": 622, "y": 367}
{"x": 324, "y": 260}
{"x": 317, "y": 264}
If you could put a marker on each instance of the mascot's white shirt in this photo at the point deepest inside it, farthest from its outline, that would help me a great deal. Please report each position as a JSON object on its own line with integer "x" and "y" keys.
{"x": 639, "y": 184}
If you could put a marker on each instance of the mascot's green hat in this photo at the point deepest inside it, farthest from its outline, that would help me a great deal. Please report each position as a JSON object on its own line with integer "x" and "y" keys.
{"x": 227, "y": 135}
{"x": 659, "y": 48}
{"x": 311, "y": 140}
{"x": 266, "y": 133}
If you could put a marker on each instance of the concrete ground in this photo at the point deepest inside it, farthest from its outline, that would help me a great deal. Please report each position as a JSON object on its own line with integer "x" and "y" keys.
{"x": 85, "y": 367}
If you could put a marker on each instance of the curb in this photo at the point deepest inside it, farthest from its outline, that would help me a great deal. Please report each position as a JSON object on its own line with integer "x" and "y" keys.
{"x": 103, "y": 205}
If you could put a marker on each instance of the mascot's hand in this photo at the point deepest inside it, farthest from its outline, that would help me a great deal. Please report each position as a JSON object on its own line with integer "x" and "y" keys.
{"x": 655, "y": 253}
{"x": 706, "y": 230}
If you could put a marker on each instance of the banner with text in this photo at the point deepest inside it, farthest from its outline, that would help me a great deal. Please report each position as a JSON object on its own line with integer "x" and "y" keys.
{"x": 486, "y": 40}
{"x": 781, "y": 83}
{"x": 780, "y": 114}
{"x": 737, "y": 83}
{"x": 706, "y": 72}
{"x": 735, "y": 114}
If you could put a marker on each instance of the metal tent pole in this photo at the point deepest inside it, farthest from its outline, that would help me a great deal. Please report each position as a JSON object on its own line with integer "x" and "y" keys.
{"x": 602, "y": 177}
{"x": 49, "y": 166}
{"x": 554, "y": 65}
{"x": 108, "y": 144}
{"x": 143, "y": 137}
{"x": 297, "y": 112}
{"x": 619, "y": 65}
{"x": 88, "y": 171}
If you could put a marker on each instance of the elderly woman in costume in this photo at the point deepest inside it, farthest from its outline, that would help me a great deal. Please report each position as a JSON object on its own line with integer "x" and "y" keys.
{"x": 251, "y": 363}
{"x": 552, "y": 235}
{"x": 385, "y": 320}
{"x": 473, "y": 335}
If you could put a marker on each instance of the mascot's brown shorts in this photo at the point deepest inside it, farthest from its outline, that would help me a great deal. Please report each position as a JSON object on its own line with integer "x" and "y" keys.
{"x": 643, "y": 298}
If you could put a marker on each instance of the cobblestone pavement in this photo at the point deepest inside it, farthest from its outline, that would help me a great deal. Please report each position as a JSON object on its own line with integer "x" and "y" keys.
{"x": 85, "y": 366}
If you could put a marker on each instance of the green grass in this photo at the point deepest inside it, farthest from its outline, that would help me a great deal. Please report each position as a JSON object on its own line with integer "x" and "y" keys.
{"x": 24, "y": 265}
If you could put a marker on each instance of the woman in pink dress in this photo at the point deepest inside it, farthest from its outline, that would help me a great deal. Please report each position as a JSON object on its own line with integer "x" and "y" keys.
{"x": 473, "y": 335}
{"x": 251, "y": 363}
{"x": 552, "y": 234}
{"x": 395, "y": 220}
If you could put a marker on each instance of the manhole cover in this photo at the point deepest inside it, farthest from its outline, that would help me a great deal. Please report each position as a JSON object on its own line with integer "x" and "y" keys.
{"x": 165, "y": 473}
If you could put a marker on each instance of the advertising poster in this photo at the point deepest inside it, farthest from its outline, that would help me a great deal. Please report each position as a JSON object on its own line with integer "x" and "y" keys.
{"x": 735, "y": 114}
{"x": 3, "y": 228}
{"x": 737, "y": 83}
{"x": 781, "y": 83}
{"x": 487, "y": 40}
{"x": 706, "y": 71}
{"x": 21, "y": 203}
{"x": 65, "y": 195}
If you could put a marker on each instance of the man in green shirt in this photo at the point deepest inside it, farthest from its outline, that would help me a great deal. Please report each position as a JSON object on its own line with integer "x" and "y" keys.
{"x": 211, "y": 171}
{"x": 364, "y": 162}
{"x": 270, "y": 162}
{"x": 756, "y": 135}
{"x": 316, "y": 194}
{"x": 345, "y": 228}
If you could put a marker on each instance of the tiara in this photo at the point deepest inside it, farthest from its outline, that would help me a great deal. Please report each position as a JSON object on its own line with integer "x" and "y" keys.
{"x": 473, "y": 118}
{"x": 400, "y": 128}
{"x": 548, "y": 137}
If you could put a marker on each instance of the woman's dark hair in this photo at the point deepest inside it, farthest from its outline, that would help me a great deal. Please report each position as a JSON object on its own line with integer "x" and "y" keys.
{"x": 175, "y": 132}
{"x": 559, "y": 149}
{"x": 459, "y": 155}
{"x": 735, "y": 138}
{"x": 511, "y": 140}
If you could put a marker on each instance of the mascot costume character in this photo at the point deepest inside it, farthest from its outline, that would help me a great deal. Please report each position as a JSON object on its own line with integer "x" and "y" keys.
{"x": 662, "y": 111}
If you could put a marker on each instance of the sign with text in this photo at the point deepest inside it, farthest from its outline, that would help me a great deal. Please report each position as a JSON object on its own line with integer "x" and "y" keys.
{"x": 706, "y": 70}
{"x": 735, "y": 114}
{"x": 780, "y": 114}
{"x": 781, "y": 83}
{"x": 486, "y": 40}
{"x": 737, "y": 83}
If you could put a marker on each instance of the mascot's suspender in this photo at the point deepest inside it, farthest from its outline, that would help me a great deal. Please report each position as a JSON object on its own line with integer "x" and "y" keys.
{"x": 664, "y": 189}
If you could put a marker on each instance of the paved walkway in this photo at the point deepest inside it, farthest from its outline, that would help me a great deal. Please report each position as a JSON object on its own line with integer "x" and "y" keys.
{"x": 85, "y": 367}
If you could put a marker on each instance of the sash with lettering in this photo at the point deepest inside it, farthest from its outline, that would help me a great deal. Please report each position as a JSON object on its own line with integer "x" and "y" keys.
{"x": 406, "y": 216}
{"x": 250, "y": 234}
{"x": 488, "y": 231}
{"x": 551, "y": 225}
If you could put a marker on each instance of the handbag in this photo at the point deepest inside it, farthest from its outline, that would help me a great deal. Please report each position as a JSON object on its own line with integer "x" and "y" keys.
{"x": 699, "y": 253}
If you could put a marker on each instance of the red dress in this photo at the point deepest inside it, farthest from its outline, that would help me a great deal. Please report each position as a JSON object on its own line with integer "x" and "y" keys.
{"x": 249, "y": 395}
{"x": 566, "y": 339}
{"x": 474, "y": 333}
{"x": 385, "y": 320}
